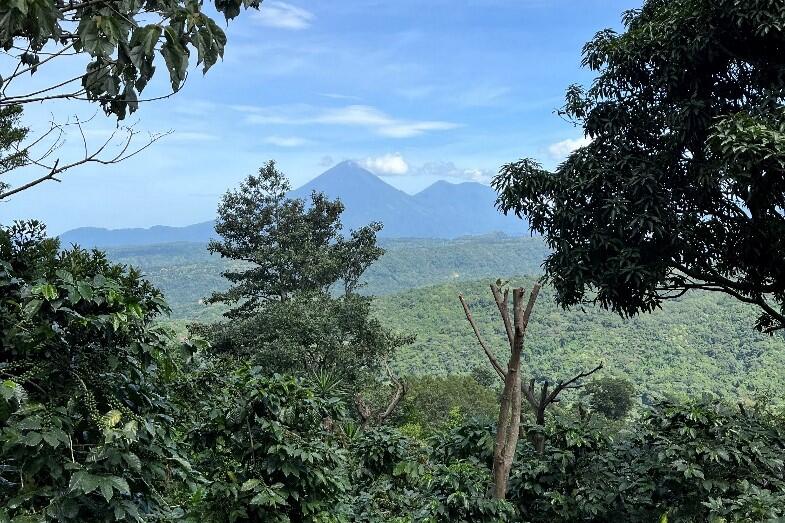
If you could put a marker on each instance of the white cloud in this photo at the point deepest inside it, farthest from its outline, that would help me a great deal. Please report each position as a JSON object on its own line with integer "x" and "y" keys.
{"x": 561, "y": 150}
{"x": 450, "y": 170}
{"x": 350, "y": 115}
{"x": 408, "y": 129}
{"x": 363, "y": 115}
{"x": 337, "y": 96}
{"x": 282, "y": 15}
{"x": 388, "y": 164}
{"x": 286, "y": 141}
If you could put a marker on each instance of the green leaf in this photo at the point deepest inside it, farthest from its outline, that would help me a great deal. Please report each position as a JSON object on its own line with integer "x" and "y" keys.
{"x": 121, "y": 485}
{"x": 133, "y": 461}
{"x": 19, "y": 5}
{"x": 47, "y": 290}
{"x": 51, "y": 439}
{"x": 8, "y": 389}
{"x": 112, "y": 418}
{"x": 135, "y": 310}
{"x": 84, "y": 482}
{"x": 106, "y": 489}
{"x": 176, "y": 58}
{"x": 85, "y": 290}
{"x": 251, "y": 484}
{"x": 91, "y": 38}
{"x": 32, "y": 307}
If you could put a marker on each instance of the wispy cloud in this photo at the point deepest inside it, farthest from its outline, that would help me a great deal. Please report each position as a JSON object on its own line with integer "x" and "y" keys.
{"x": 387, "y": 164}
{"x": 560, "y": 150}
{"x": 482, "y": 96}
{"x": 282, "y": 15}
{"x": 450, "y": 170}
{"x": 337, "y": 96}
{"x": 286, "y": 141}
{"x": 326, "y": 161}
{"x": 352, "y": 115}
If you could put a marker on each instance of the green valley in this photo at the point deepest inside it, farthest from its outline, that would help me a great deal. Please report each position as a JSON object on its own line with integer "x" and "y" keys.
{"x": 702, "y": 342}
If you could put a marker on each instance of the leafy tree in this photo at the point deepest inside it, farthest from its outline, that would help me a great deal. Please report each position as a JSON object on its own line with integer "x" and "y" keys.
{"x": 263, "y": 446}
{"x": 611, "y": 397}
{"x": 12, "y": 134}
{"x": 433, "y": 402}
{"x": 403, "y": 481}
{"x": 85, "y": 427}
{"x": 682, "y": 184}
{"x": 287, "y": 246}
{"x": 694, "y": 461}
{"x": 309, "y": 333}
{"x": 120, "y": 42}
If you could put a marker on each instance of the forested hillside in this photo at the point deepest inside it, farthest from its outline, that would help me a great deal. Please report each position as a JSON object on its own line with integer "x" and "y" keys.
{"x": 187, "y": 273}
{"x": 700, "y": 343}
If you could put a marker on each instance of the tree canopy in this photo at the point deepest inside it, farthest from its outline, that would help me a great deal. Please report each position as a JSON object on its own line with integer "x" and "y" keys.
{"x": 286, "y": 244}
{"x": 121, "y": 40}
{"x": 682, "y": 185}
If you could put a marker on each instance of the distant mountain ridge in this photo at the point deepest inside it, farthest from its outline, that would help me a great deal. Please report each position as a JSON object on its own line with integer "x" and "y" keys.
{"x": 442, "y": 210}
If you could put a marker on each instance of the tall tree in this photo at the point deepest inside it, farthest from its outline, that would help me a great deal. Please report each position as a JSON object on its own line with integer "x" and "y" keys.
{"x": 101, "y": 51}
{"x": 289, "y": 256}
{"x": 285, "y": 245}
{"x": 682, "y": 186}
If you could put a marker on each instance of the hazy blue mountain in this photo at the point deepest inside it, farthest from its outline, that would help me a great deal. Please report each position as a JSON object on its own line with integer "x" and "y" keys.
{"x": 100, "y": 237}
{"x": 467, "y": 209}
{"x": 443, "y": 210}
{"x": 367, "y": 198}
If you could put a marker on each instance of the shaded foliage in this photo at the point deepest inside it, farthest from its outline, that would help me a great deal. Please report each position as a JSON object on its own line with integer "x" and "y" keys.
{"x": 263, "y": 447}
{"x": 81, "y": 401}
{"x": 682, "y": 185}
{"x": 696, "y": 461}
{"x": 611, "y": 397}
{"x": 308, "y": 333}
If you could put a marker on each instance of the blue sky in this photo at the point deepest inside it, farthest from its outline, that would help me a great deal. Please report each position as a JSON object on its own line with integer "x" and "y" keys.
{"x": 416, "y": 90}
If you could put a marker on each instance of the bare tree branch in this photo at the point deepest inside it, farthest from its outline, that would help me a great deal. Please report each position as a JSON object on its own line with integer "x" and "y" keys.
{"x": 568, "y": 384}
{"x": 58, "y": 167}
{"x": 501, "y": 304}
{"x": 364, "y": 410}
{"x": 496, "y": 365}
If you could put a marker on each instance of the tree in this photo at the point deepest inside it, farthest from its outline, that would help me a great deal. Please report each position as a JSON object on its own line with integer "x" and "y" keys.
{"x": 12, "y": 156}
{"x": 82, "y": 402}
{"x": 611, "y": 397}
{"x": 260, "y": 442}
{"x": 289, "y": 256}
{"x": 682, "y": 185}
{"x": 309, "y": 333}
{"x": 285, "y": 245}
{"x": 509, "y": 424}
{"x": 120, "y": 42}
